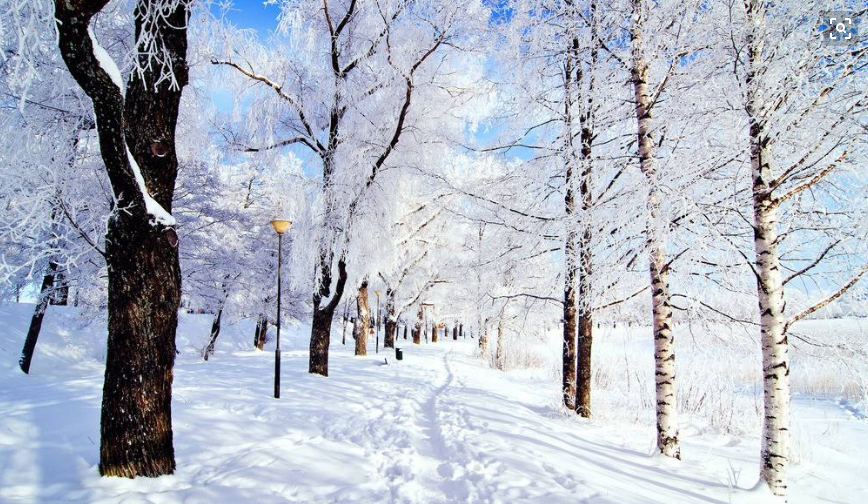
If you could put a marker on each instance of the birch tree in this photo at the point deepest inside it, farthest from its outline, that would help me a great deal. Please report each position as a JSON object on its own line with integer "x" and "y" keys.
{"x": 803, "y": 104}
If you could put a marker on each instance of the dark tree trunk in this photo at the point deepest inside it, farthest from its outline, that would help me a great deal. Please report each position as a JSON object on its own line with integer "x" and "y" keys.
{"x": 362, "y": 327}
{"x": 570, "y": 268}
{"x": 136, "y": 427}
{"x": 260, "y": 332}
{"x": 321, "y": 326}
{"x": 136, "y": 134}
{"x": 434, "y": 338}
{"x": 215, "y": 331}
{"x": 405, "y": 332}
{"x": 585, "y": 375}
{"x": 455, "y": 333}
{"x": 461, "y": 331}
{"x": 391, "y": 330}
{"x": 36, "y": 320}
{"x": 60, "y": 292}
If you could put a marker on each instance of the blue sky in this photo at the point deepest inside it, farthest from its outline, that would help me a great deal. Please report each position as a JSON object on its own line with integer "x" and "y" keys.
{"x": 252, "y": 14}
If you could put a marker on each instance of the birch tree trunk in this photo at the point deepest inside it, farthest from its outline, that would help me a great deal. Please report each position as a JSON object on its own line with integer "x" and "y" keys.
{"x": 498, "y": 353}
{"x": 775, "y": 348}
{"x": 391, "y": 320}
{"x": 664, "y": 351}
{"x": 363, "y": 320}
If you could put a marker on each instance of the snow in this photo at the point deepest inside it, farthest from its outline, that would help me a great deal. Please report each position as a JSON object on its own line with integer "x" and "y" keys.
{"x": 105, "y": 61}
{"x": 153, "y": 208}
{"x": 108, "y": 64}
{"x": 437, "y": 427}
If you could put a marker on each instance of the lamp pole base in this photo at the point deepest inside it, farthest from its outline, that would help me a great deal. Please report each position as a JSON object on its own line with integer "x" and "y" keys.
{"x": 277, "y": 374}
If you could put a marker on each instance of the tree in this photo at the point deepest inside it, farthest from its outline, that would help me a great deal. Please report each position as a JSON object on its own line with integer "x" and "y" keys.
{"x": 803, "y": 106}
{"x": 366, "y": 66}
{"x": 136, "y": 127}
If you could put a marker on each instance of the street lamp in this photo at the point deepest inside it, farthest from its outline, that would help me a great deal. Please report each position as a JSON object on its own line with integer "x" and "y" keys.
{"x": 377, "y": 323}
{"x": 280, "y": 226}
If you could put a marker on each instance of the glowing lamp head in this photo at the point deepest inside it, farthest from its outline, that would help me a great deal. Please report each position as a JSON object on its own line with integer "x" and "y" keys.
{"x": 281, "y": 226}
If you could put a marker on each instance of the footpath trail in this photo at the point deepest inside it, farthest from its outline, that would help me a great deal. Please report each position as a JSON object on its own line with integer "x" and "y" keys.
{"x": 437, "y": 427}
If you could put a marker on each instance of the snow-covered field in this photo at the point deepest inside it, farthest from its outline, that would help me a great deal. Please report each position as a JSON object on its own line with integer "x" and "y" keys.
{"x": 437, "y": 427}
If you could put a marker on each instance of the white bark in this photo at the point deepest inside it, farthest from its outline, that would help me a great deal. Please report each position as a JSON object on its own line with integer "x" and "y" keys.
{"x": 664, "y": 348}
{"x": 775, "y": 358}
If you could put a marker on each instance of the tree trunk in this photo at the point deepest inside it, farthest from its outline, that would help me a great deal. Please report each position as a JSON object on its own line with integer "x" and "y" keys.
{"x": 363, "y": 320}
{"x": 570, "y": 269}
{"x": 498, "y": 354}
{"x": 585, "y": 371}
{"x": 36, "y": 321}
{"x": 434, "y": 338}
{"x": 136, "y": 427}
{"x": 417, "y": 332}
{"x": 60, "y": 295}
{"x": 664, "y": 350}
{"x": 586, "y": 326}
{"x": 323, "y": 314}
{"x": 260, "y": 332}
{"x": 775, "y": 347}
{"x": 391, "y": 320}
{"x": 215, "y": 331}
{"x": 483, "y": 337}
{"x": 461, "y": 331}
{"x": 346, "y": 315}
{"x": 137, "y": 143}
{"x": 405, "y": 332}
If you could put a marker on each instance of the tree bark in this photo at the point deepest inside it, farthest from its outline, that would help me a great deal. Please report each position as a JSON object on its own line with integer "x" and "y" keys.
{"x": 136, "y": 134}
{"x": 498, "y": 353}
{"x": 45, "y": 293}
{"x": 215, "y": 331}
{"x": 664, "y": 350}
{"x": 483, "y": 337}
{"x": 405, "y": 332}
{"x": 260, "y": 332}
{"x": 586, "y": 326}
{"x": 570, "y": 269}
{"x": 417, "y": 332}
{"x": 323, "y": 314}
{"x": 60, "y": 295}
{"x": 775, "y": 347}
{"x": 434, "y": 338}
{"x": 362, "y": 327}
{"x": 391, "y": 320}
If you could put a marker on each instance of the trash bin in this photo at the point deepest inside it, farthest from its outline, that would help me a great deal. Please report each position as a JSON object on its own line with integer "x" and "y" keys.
{"x": 399, "y": 354}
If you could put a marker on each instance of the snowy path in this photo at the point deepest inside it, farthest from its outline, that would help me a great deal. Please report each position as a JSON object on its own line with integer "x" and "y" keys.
{"x": 437, "y": 427}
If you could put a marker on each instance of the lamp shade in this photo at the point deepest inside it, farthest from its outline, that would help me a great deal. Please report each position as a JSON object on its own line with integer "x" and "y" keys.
{"x": 280, "y": 225}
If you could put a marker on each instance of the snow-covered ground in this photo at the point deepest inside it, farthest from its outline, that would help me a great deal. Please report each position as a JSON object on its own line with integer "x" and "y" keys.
{"x": 437, "y": 427}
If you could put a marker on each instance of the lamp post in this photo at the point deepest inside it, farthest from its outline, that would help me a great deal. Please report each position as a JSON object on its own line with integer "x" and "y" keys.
{"x": 280, "y": 226}
{"x": 377, "y": 323}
